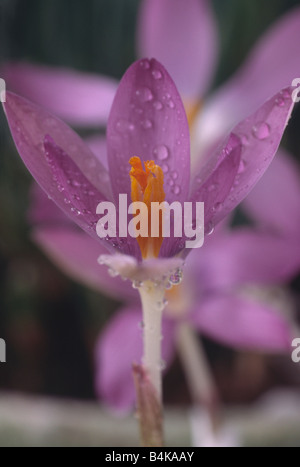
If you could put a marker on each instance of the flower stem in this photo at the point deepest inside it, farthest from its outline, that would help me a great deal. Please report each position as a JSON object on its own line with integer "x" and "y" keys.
{"x": 198, "y": 374}
{"x": 149, "y": 387}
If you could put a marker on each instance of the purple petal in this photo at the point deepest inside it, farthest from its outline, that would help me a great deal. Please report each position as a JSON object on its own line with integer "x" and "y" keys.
{"x": 260, "y": 135}
{"x": 182, "y": 36}
{"x": 216, "y": 188}
{"x": 119, "y": 346}
{"x": 148, "y": 120}
{"x": 245, "y": 256}
{"x": 272, "y": 65}
{"x": 243, "y": 323}
{"x": 79, "y": 98}
{"x": 43, "y": 211}
{"x": 30, "y": 124}
{"x": 275, "y": 201}
{"x": 76, "y": 254}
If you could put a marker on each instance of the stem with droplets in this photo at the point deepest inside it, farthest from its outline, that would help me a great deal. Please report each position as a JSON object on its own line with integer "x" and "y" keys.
{"x": 152, "y": 298}
{"x": 148, "y": 377}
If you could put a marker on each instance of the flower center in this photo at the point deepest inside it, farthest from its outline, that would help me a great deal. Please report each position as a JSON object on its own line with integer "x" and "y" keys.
{"x": 147, "y": 186}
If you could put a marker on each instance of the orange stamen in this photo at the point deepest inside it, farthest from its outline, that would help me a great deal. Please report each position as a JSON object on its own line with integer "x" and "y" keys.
{"x": 147, "y": 186}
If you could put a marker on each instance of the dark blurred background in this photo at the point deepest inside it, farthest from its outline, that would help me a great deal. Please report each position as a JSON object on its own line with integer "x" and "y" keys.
{"x": 49, "y": 322}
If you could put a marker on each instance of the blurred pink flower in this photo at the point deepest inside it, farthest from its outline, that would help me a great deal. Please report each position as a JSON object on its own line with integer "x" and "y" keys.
{"x": 183, "y": 36}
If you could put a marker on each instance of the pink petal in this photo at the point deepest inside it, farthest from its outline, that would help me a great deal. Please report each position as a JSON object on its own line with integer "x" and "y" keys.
{"x": 79, "y": 98}
{"x": 43, "y": 211}
{"x": 119, "y": 346}
{"x": 216, "y": 188}
{"x": 260, "y": 135}
{"x": 243, "y": 257}
{"x": 76, "y": 254}
{"x": 30, "y": 124}
{"x": 243, "y": 323}
{"x": 275, "y": 200}
{"x": 272, "y": 65}
{"x": 182, "y": 35}
{"x": 148, "y": 120}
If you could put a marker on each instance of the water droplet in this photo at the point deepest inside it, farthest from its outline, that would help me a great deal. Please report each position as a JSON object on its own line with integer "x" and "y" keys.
{"x": 244, "y": 140}
{"x": 145, "y": 64}
{"x": 60, "y": 188}
{"x": 217, "y": 207}
{"x": 210, "y": 228}
{"x": 176, "y": 190}
{"x": 242, "y": 167}
{"x": 146, "y": 124}
{"x": 280, "y": 102}
{"x": 161, "y": 152}
{"x": 165, "y": 168}
{"x": 171, "y": 182}
{"x": 261, "y": 131}
{"x": 144, "y": 94}
{"x": 162, "y": 365}
{"x": 124, "y": 126}
{"x": 176, "y": 277}
{"x": 74, "y": 183}
{"x": 86, "y": 211}
{"x": 157, "y": 74}
{"x": 75, "y": 211}
{"x": 67, "y": 201}
{"x": 157, "y": 105}
{"x": 171, "y": 104}
{"x": 76, "y": 197}
{"x": 212, "y": 187}
{"x": 285, "y": 94}
{"x": 174, "y": 175}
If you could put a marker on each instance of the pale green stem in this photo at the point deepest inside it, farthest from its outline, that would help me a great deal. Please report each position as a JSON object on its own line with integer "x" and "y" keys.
{"x": 152, "y": 298}
{"x": 199, "y": 378}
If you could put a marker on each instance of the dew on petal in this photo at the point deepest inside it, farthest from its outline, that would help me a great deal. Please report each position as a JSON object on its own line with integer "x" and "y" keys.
{"x": 171, "y": 104}
{"x": 161, "y": 152}
{"x": 165, "y": 168}
{"x": 212, "y": 187}
{"x": 157, "y": 105}
{"x": 242, "y": 166}
{"x": 176, "y": 190}
{"x": 210, "y": 228}
{"x": 146, "y": 124}
{"x": 144, "y": 94}
{"x": 124, "y": 126}
{"x": 145, "y": 64}
{"x": 157, "y": 74}
{"x": 174, "y": 175}
{"x": 261, "y": 131}
{"x": 176, "y": 277}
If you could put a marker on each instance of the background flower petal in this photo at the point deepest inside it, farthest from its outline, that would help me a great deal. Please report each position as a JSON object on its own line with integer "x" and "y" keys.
{"x": 272, "y": 65}
{"x": 182, "y": 35}
{"x": 243, "y": 323}
{"x": 75, "y": 253}
{"x": 245, "y": 256}
{"x": 274, "y": 203}
{"x": 81, "y": 99}
{"x": 119, "y": 346}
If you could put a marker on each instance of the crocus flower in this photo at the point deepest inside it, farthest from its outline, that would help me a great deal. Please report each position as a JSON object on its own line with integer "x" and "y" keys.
{"x": 77, "y": 181}
{"x": 147, "y": 123}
